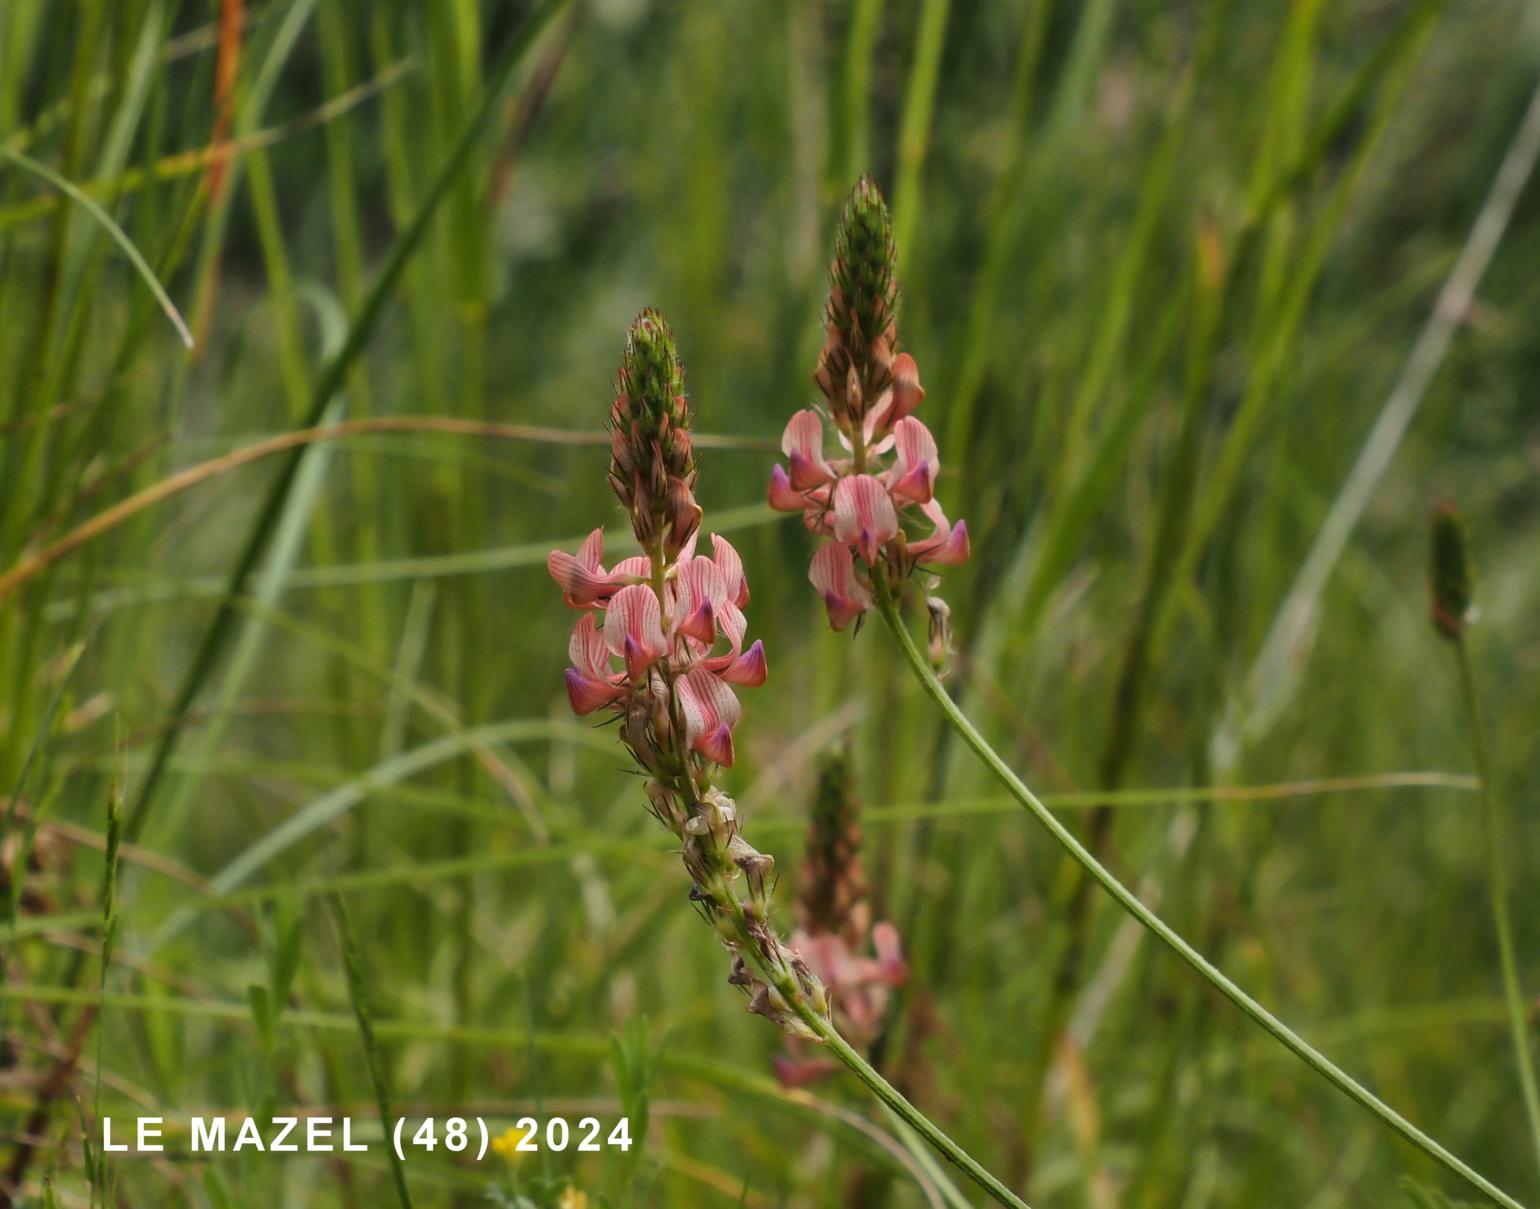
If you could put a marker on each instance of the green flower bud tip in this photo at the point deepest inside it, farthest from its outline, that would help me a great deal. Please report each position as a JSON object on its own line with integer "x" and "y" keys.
{"x": 1449, "y": 571}
{"x": 652, "y": 460}
{"x": 856, "y": 364}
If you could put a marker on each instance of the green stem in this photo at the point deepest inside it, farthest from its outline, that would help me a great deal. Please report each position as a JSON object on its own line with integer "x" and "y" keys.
{"x": 1130, "y": 903}
{"x": 894, "y": 1099}
{"x": 1497, "y": 871}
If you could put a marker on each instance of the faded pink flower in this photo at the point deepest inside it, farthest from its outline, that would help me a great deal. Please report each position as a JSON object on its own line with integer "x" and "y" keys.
{"x": 859, "y": 985}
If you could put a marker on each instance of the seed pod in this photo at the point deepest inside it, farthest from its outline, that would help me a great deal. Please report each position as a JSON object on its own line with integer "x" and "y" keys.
{"x": 1449, "y": 571}
{"x": 939, "y": 646}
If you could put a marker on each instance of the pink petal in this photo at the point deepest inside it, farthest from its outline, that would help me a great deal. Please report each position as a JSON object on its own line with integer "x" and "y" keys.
{"x": 582, "y": 578}
{"x": 792, "y": 1073}
{"x": 730, "y": 568}
{"x": 890, "y": 954}
{"x": 783, "y": 496}
{"x": 588, "y": 694}
{"x": 633, "y": 628}
{"x": 701, "y": 596}
{"x": 586, "y": 648}
{"x": 864, "y": 515}
{"x": 684, "y": 516}
{"x": 913, "y": 476}
{"x": 730, "y": 618}
{"x": 717, "y": 746}
{"x": 802, "y": 443}
{"x": 710, "y": 712}
{"x": 833, "y": 573}
{"x": 908, "y": 394}
{"x": 591, "y": 552}
{"x": 945, "y": 547}
{"x": 748, "y": 669}
{"x": 636, "y": 567}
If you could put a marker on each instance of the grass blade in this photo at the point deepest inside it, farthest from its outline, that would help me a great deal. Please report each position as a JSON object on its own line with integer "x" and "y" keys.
{"x": 141, "y": 266}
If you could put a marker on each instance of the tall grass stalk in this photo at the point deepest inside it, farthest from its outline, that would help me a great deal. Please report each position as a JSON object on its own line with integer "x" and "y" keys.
{"x": 358, "y": 993}
{"x": 1498, "y": 886}
{"x": 1126, "y": 898}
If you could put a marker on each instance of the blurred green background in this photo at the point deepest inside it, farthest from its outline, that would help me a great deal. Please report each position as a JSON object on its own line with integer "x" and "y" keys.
{"x": 1162, "y": 265}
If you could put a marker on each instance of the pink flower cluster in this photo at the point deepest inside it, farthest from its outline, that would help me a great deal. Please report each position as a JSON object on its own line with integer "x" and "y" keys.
{"x": 651, "y": 637}
{"x": 861, "y": 500}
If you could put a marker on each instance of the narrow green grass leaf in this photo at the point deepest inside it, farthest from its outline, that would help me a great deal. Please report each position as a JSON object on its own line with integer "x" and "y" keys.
{"x": 135, "y": 257}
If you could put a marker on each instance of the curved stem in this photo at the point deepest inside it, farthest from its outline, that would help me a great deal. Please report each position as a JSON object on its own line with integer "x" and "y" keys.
{"x": 1126, "y": 898}
{"x": 1497, "y": 884}
{"x": 912, "y": 1116}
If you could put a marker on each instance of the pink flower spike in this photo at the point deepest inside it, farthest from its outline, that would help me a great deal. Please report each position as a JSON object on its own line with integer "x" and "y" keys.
{"x": 748, "y": 669}
{"x": 864, "y": 515}
{"x": 913, "y": 476}
{"x": 833, "y": 573}
{"x": 581, "y": 577}
{"x": 730, "y": 568}
{"x": 802, "y": 443}
{"x": 633, "y": 629}
{"x": 783, "y": 496}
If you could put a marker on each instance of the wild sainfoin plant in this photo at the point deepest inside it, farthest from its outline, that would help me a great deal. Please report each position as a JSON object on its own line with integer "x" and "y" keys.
{"x": 660, "y": 643}
{"x": 863, "y": 500}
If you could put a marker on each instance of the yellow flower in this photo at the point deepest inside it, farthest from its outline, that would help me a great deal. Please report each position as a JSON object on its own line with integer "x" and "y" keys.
{"x": 571, "y": 1198}
{"x": 507, "y": 1143}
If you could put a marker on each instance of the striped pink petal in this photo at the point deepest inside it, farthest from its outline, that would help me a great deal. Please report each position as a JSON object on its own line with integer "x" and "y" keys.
{"x": 747, "y": 669}
{"x": 733, "y": 624}
{"x": 730, "y": 567}
{"x": 586, "y": 647}
{"x": 783, "y": 496}
{"x": 581, "y": 577}
{"x": 701, "y": 598}
{"x": 913, "y": 476}
{"x": 864, "y": 515}
{"x": 947, "y": 546}
{"x": 802, "y": 443}
{"x": 908, "y": 394}
{"x": 833, "y": 573}
{"x": 633, "y": 569}
{"x": 633, "y": 629}
{"x": 587, "y": 693}
{"x": 710, "y": 712}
